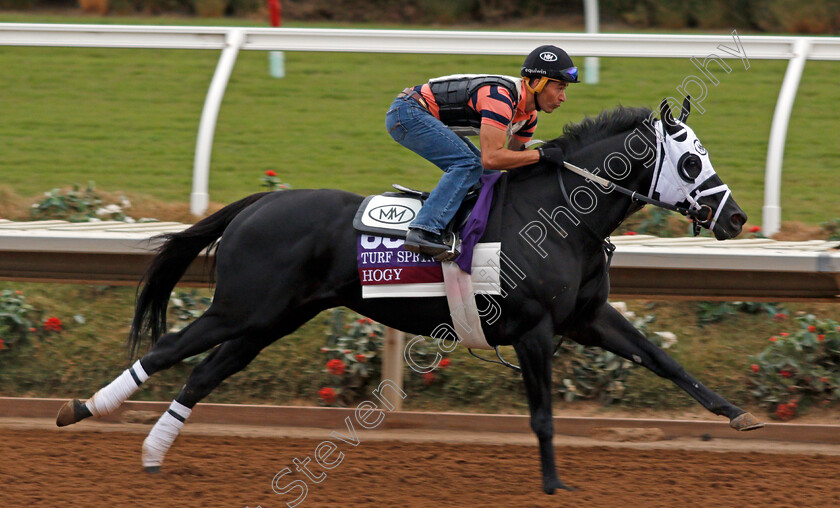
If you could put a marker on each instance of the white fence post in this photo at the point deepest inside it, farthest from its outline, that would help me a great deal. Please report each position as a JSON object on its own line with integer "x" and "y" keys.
{"x": 199, "y": 198}
{"x": 591, "y": 63}
{"x": 771, "y": 212}
{"x": 392, "y": 361}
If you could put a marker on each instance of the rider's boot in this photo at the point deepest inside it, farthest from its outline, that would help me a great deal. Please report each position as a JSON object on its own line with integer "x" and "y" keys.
{"x": 425, "y": 242}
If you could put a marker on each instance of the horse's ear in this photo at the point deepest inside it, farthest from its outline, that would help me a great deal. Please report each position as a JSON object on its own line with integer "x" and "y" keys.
{"x": 668, "y": 122}
{"x": 686, "y": 109}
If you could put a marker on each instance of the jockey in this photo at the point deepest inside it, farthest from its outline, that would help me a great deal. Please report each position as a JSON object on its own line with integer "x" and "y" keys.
{"x": 432, "y": 120}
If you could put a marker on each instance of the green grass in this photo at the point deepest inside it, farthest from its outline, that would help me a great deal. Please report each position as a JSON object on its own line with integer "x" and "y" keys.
{"x": 127, "y": 119}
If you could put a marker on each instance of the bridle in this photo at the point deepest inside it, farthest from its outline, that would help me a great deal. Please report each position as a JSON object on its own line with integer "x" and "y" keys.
{"x": 700, "y": 214}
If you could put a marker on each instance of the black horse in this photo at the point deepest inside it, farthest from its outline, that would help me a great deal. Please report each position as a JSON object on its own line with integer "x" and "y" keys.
{"x": 283, "y": 257}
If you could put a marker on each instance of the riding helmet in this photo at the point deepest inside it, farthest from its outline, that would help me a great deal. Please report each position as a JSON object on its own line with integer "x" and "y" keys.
{"x": 550, "y": 62}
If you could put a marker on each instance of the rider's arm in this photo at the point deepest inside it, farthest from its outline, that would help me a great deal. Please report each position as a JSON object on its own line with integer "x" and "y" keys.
{"x": 515, "y": 144}
{"x": 494, "y": 155}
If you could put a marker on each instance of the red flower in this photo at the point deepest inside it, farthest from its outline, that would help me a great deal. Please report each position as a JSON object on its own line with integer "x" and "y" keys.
{"x": 347, "y": 351}
{"x": 784, "y": 334}
{"x": 336, "y": 367}
{"x": 428, "y": 378}
{"x": 755, "y": 229}
{"x": 270, "y": 173}
{"x": 820, "y": 337}
{"x": 52, "y": 324}
{"x": 361, "y": 321}
{"x": 780, "y": 316}
{"x": 1, "y": 344}
{"x": 786, "y": 411}
{"x": 754, "y": 368}
{"x": 18, "y": 292}
{"x": 812, "y": 328}
{"x": 33, "y": 330}
{"x": 327, "y": 394}
{"x": 785, "y": 373}
{"x": 444, "y": 363}
{"x": 361, "y": 358}
{"x": 773, "y": 339}
{"x": 824, "y": 379}
{"x": 630, "y": 233}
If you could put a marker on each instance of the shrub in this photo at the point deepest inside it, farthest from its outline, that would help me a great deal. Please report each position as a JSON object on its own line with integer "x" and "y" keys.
{"x": 799, "y": 369}
{"x": 712, "y": 312}
{"x": 353, "y": 358}
{"x": 19, "y": 320}
{"x": 272, "y": 182}
{"x": 77, "y": 205}
{"x": 832, "y": 229}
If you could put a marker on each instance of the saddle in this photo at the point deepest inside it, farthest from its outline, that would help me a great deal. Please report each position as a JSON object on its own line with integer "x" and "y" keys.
{"x": 389, "y": 214}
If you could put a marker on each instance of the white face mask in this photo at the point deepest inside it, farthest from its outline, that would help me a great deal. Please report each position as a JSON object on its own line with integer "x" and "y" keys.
{"x": 683, "y": 169}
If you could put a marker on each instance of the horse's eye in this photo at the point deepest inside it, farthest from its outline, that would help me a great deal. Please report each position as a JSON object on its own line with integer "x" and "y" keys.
{"x": 689, "y": 166}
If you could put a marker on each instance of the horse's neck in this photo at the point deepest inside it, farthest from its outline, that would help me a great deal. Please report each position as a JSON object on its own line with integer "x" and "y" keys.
{"x": 610, "y": 207}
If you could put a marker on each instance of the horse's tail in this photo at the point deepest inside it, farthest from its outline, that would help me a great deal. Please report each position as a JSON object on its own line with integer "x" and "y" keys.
{"x": 168, "y": 266}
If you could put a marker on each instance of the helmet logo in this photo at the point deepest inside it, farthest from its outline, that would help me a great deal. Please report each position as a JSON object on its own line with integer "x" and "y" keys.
{"x": 548, "y": 56}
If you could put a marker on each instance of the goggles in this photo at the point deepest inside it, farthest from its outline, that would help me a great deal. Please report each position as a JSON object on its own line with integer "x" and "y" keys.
{"x": 568, "y": 75}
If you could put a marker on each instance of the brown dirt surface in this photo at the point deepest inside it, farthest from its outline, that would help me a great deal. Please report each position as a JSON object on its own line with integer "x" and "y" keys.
{"x": 51, "y": 467}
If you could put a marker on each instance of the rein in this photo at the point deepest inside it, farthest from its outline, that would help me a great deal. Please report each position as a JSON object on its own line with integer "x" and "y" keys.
{"x": 696, "y": 216}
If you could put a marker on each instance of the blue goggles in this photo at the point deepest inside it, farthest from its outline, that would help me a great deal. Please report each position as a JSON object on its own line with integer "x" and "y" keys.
{"x": 570, "y": 75}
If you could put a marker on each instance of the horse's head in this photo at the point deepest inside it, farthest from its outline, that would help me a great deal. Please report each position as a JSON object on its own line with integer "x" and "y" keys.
{"x": 685, "y": 177}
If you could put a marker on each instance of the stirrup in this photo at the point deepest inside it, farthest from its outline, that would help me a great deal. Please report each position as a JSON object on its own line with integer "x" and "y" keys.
{"x": 454, "y": 248}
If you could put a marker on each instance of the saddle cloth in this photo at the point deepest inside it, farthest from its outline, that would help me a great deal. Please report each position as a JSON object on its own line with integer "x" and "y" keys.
{"x": 387, "y": 270}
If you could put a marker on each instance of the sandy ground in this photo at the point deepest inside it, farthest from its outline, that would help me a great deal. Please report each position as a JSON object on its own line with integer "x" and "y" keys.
{"x": 222, "y": 465}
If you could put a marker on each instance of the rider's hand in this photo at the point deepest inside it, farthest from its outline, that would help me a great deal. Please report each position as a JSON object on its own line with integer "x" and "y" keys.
{"x": 554, "y": 155}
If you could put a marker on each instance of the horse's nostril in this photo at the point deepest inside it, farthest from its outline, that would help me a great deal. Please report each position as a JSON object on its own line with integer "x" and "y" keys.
{"x": 737, "y": 220}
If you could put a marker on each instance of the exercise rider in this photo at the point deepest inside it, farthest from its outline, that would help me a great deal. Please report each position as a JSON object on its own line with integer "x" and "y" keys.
{"x": 430, "y": 120}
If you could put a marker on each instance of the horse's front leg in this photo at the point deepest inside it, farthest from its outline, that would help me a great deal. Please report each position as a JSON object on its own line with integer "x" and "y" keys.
{"x": 534, "y": 351}
{"x": 611, "y": 331}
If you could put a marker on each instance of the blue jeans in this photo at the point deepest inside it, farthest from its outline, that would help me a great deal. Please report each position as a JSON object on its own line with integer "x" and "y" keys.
{"x": 416, "y": 129}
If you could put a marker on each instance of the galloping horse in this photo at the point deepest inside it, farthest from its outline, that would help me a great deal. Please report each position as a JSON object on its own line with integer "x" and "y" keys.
{"x": 283, "y": 257}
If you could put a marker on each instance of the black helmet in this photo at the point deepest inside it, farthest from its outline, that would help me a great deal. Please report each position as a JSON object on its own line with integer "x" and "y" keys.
{"x": 550, "y": 62}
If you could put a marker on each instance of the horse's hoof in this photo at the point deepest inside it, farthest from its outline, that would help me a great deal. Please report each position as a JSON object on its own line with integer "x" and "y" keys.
{"x": 152, "y": 469}
{"x": 550, "y": 487}
{"x": 745, "y": 421}
{"x": 71, "y": 412}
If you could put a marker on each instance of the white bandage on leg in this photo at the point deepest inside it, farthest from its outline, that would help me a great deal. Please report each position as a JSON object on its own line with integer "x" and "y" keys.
{"x": 109, "y": 398}
{"x": 163, "y": 434}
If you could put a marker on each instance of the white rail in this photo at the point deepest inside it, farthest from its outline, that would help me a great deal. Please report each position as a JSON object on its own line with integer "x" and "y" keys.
{"x": 231, "y": 39}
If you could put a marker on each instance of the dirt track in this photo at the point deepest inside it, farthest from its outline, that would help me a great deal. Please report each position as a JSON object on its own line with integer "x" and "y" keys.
{"x": 44, "y": 467}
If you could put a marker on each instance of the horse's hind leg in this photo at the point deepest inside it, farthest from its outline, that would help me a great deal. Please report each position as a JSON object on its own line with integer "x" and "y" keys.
{"x": 226, "y": 360}
{"x": 202, "y": 334}
{"x": 611, "y": 331}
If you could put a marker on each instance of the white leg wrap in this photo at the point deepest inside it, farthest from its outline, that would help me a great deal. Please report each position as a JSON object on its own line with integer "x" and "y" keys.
{"x": 109, "y": 398}
{"x": 163, "y": 434}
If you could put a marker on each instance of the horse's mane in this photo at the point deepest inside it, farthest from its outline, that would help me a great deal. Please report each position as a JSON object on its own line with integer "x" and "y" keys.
{"x": 591, "y": 129}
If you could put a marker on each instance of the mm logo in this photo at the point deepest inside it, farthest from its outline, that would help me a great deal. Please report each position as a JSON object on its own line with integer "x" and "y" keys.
{"x": 548, "y": 56}
{"x": 391, "y": 214}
